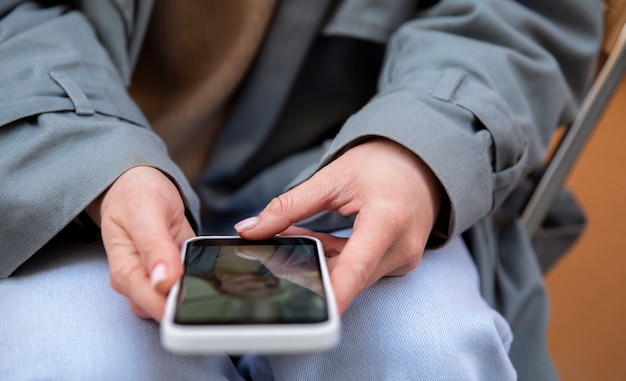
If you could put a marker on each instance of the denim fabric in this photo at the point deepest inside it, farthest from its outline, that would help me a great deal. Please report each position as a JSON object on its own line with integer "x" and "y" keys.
{"x": 61, "y": 320}
{"x": 431, "y": 324}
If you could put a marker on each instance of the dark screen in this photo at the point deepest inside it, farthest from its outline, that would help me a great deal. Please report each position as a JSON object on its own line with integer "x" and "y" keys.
{"x": 232, "y": 281}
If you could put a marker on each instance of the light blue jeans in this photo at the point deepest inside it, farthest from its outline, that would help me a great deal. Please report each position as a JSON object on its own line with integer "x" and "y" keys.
{"x": 60, "y": 320}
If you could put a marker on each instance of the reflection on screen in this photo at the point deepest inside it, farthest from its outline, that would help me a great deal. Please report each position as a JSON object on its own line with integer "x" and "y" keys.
{"x": 268, "y": 282}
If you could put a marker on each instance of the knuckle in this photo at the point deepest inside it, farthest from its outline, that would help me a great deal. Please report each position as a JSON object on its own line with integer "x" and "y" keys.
{"x": 414, "y": 246}
{"x": 284, "y": 203}
{"x": 281, "y": 206}
{"x": 116, "y": 283}
{"x": 408, "y": 255}
{"x": 412, "y": 253}
{"x": 137, "y": 310}
{"x": 405, "y": 269}
{"x": 362, "y": 273}
{"x": 118, "y": 278}
{"x": 395, "y": 218}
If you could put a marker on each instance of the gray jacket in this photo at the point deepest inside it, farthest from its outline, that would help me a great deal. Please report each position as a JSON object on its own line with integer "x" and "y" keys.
{"x": 474, "y": 87}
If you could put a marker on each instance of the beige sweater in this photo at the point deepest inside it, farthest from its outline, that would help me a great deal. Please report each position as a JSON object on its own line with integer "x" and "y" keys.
{"x": 192, "y": 61}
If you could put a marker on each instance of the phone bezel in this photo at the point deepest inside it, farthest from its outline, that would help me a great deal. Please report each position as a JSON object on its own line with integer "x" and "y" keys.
{"x": 244, "y": 338}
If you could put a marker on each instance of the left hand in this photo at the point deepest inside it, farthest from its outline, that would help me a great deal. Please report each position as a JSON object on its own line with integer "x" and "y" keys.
{"x": 142, "y": 218}
{"x": 396, "y": 198}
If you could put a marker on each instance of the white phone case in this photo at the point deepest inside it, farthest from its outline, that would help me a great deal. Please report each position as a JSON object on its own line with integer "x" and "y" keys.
{"x": 258, "y": 338}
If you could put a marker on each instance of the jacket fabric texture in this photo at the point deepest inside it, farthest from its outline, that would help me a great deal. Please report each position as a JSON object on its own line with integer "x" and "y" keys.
{"x": 475, "y": 88}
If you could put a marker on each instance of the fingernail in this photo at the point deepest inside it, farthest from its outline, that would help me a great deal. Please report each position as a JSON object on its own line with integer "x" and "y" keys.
{"x": 158, "y": 274}
{"x": 246, "y": 224}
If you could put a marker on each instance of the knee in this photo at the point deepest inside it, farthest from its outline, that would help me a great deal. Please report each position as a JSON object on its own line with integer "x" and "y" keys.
{"x": 446, "y": 340}
{"x": 429, "y": 324}
{"x": 459, "y": 344}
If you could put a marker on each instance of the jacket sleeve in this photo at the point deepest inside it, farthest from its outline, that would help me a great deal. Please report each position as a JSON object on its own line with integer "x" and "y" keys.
{"x": 476, "y": 88}
{"x": 68, "y": 128}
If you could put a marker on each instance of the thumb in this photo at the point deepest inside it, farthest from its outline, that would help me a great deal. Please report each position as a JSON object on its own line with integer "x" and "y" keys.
{"x": 162, "y": 256}
{"x": 143, "y": 215}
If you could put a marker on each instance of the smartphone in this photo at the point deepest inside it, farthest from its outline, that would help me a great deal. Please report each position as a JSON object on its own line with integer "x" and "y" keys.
{"x": 238, "y": 296}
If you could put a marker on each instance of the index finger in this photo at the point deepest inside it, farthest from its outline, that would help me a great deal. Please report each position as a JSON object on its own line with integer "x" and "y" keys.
{"x": 317, "y": 194}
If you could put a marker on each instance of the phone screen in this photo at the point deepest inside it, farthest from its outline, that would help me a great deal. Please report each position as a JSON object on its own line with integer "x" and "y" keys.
{"x": 233, "y": 281}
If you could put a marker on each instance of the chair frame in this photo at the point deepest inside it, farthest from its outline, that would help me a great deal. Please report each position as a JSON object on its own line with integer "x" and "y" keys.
{"x": 572, "y": 142}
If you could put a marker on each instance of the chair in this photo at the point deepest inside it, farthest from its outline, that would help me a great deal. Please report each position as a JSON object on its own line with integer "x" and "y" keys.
{"x": 550, "y": 183}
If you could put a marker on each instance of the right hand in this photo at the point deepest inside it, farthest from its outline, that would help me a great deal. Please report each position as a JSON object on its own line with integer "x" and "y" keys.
{"x": 143, "y": 224}
{"x": 396, "y": 197}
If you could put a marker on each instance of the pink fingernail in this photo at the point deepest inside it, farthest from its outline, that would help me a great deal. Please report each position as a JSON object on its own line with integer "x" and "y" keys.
{"x": 159, "y": 273}
{"x": 246, "y": 224}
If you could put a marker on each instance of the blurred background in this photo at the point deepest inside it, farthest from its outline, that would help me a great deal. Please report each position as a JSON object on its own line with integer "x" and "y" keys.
{"x": 587, "y": 288}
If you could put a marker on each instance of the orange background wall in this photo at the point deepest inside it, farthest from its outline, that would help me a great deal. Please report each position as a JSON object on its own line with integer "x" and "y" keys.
{"x": 587, "y": 329}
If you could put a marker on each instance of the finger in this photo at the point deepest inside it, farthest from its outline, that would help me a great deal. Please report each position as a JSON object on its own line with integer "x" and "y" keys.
{"x": 161, "y": 258}
{"x": 297, "y": 230}
{"x": 333, "y": 245}
{"x": 307, "y": 199}
{"x": 186, "y": 232}
{"x": 397, "y": 270}
{"x": 148, "y": 301}
{"x": 158, "y": 244}
{"x": 145, "y": 211}
{"x": 404, "y": 269}
{"x": 352, "y": 272}
{"x": 129, "y": 278}
{"x": 141, "y": 284}
{"x": 138, "y": 311}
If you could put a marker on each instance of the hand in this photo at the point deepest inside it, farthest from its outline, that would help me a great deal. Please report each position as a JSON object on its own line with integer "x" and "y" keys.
{"x": 396, "y": 198}
{"x": 142, "y": 218}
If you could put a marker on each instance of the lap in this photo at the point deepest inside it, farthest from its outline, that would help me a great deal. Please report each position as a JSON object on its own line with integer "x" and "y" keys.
{"x": 61, "y": 320}
{"x": 429, "y": 324}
